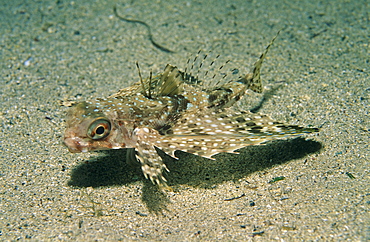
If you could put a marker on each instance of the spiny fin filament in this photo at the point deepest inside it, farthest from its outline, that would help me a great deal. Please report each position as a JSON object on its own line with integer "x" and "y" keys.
{"x": 253, "y": 80}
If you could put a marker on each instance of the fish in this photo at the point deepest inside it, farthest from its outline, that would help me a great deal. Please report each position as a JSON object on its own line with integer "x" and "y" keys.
{"x": 174, "y": 110}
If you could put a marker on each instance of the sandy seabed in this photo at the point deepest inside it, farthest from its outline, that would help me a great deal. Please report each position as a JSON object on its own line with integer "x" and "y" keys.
{"x": 317, "y": 74}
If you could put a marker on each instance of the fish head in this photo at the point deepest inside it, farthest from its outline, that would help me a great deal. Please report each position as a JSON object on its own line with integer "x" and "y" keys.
{"x": 88, "y": 128}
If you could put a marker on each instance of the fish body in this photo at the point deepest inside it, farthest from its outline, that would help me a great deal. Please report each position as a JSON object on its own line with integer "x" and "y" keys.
{"x": 173, "y": 111}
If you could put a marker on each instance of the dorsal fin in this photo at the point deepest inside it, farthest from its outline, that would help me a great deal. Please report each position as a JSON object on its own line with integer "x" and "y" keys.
{"x": 171, "y": 82}
{"x": 253, "y": 80}
{"x": 168, "y": 83}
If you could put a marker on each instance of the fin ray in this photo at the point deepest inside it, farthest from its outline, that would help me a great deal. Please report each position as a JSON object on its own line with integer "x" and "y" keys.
{"x": 208, "y": 132}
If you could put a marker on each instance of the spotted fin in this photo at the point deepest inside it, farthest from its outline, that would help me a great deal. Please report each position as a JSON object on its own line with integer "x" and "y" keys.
{"x": 151, "y": 163}
{"x": 227, "y": 94}
{"x": 207, "y": 133}
{"x": 171, "y": 81}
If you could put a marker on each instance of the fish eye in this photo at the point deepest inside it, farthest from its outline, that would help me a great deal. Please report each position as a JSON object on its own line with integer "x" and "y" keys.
{"x": 99, "y": 128}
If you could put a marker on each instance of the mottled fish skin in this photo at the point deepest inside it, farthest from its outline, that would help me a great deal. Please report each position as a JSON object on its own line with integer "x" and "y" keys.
{"x": 172, "y": 112}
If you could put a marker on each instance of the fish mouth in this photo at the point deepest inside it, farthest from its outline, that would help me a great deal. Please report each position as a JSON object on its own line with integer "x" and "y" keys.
{"x": 76, "y": 145}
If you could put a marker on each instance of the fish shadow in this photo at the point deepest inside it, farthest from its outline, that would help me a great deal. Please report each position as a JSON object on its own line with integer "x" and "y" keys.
{"x": 200, "y": 172}
{"x": 111, "y": 168}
